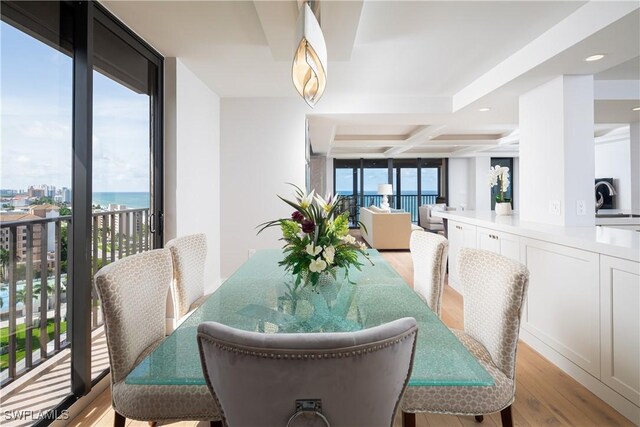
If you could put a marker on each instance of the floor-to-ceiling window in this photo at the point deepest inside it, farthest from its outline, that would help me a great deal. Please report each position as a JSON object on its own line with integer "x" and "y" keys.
{"x": 81, "y": 187}
{"x": 415, "y": 182}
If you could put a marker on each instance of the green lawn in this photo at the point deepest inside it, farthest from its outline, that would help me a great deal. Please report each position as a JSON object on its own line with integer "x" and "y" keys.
{"x": 21, "y": 336}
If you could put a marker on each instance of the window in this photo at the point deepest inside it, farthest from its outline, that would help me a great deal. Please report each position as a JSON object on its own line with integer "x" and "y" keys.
{"x": 415, "y": 181}
{"x": 58, "y": 58}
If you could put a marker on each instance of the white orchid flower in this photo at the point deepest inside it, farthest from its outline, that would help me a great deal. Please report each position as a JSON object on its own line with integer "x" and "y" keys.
{"x": 317, "y": 265}
{"x": 306, "y": 199}
{"x": 329, "y": 254}
{"x": 363, "y": 247}
{"x": 313, "y": 250}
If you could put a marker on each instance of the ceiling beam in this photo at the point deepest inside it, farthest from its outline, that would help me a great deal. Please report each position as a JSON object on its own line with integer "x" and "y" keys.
{"x": 278, "y": 20}
{"x": 416, "y": 138}
{"x": 583, "y": 23}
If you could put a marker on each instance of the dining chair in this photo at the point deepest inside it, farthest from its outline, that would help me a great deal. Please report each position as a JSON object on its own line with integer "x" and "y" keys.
{"x": 494, "y": 291}
{"x": 133, "y": 293}
{"x": 429, "y": 253}
{"x": 340, "y": 379}
{"x": 189, "y": 255}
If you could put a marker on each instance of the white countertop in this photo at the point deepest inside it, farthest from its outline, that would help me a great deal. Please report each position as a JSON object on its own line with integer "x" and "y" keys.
{"x": 617, "y": 242}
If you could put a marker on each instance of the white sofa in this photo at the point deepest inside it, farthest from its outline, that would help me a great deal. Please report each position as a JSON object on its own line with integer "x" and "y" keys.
{"x": 386, "y": 230}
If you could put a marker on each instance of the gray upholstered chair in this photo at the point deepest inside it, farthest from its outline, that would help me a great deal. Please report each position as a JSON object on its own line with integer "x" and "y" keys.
{"x": 133, "y": 293}
{"x": 429, "y": 253}
{"x": 189, "y": 255}
{"x": 261, "y": 379}
{"x": 494, "y": 291}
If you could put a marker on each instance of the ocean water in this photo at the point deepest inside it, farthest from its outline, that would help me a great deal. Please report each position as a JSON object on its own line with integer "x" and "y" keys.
{"x": 130, "y": 200}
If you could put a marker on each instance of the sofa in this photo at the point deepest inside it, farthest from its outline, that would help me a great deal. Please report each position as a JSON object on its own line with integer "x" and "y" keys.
{"x": 430, "y": 222}
{"x": 386, "y": 230}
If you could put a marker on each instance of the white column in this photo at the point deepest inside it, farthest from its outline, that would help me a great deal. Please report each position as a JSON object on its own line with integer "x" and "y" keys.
{"x": 557, "y": 166}
{"x": 483, "y": 191}
{"x": 634, "y": 148}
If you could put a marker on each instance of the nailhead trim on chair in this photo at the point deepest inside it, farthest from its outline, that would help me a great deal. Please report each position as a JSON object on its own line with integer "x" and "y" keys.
{"x": 306, "y": 355}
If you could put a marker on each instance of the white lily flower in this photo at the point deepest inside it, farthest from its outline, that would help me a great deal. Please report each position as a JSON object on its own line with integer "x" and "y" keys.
{"x": 363, "y": 246}
{"x": 313, "y": 250}
{"x": 317, "y": 265}
{"x": 329, "y": 254}
{"x": 325, "y": 203}
{"x": 306, "y": 200}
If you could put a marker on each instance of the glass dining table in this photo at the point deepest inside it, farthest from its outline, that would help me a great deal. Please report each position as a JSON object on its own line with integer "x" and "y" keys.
{"x": 260, "y": 296}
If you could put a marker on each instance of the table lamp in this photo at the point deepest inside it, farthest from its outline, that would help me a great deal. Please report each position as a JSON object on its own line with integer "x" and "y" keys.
{"x": 385, "y": 190}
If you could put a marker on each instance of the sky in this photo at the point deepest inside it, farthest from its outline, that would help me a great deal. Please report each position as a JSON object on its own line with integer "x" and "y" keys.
{"x": 375, "y": 176}
{"x": 36, "y": 118}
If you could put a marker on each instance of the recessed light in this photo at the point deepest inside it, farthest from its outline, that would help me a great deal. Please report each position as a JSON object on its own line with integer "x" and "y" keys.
{"x": 594, "y": 57}
{"x": 484, "y": 109}
{"x": 635, "y": 109}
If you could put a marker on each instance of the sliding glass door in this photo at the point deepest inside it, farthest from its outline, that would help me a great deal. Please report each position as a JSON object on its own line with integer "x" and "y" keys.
{"x": 81, "y": 187}
{"x": 415, "y": 182}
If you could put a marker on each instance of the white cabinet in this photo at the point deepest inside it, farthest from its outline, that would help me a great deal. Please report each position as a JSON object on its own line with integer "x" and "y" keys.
{"x": 620, "y": 326}
{"x": 563, "y": 301}
{"x": 501, "y": 243}
{"x": 460, "y": 236}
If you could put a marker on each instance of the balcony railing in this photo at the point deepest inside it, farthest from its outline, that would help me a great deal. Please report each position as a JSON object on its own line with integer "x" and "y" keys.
{"x": 32, "y": 316}
{"x": 409, "y": 203}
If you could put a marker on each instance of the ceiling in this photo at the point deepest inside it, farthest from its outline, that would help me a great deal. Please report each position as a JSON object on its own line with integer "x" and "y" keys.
{"x": 406, "y": 79}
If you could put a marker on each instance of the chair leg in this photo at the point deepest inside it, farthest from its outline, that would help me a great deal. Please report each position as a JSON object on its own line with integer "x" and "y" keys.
{"x": 479, "y": 418}
{"x": 507, "y": 419}
{"x": 119, "y": 420}
{"x": 408, "y": 419}
{"x": 216, "y": 423}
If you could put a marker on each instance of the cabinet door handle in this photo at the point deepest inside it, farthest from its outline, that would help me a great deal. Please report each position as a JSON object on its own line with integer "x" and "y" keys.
{"x": 458, "y": 227}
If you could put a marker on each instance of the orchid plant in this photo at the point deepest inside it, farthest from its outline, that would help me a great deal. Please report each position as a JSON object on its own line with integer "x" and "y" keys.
{"x": 499, "y": 175}
{"x": 317, "y": 238}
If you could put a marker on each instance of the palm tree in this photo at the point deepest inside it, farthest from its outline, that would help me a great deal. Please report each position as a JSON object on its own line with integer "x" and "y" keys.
{"x": 4, "y": 261}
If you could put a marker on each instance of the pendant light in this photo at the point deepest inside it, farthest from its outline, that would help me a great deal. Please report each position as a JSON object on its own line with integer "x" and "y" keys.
{"x": 309, "y": 70}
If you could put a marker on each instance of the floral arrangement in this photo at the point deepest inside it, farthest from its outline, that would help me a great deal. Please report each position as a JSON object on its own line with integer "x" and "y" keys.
{"x": 317, "y": 238}
{"x": 499, "y": 175}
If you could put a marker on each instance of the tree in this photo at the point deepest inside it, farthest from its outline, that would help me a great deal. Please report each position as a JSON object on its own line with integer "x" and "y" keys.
{"x": 44, "y": 201}
{"x": 4, "y": 262}
{"x": 64, "y": 240}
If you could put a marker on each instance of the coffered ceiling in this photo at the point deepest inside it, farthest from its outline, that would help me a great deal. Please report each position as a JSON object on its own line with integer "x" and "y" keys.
{"x": 407, "y": 79}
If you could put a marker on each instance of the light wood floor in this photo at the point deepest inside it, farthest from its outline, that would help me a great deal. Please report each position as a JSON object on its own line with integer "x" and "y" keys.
{"x": 545, "y": 396}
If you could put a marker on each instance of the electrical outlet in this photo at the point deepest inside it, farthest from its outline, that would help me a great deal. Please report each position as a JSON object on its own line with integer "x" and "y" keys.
{"x": 581, "y": 207}
{"x": 251, "y": 252}
{"x": 554, "y": 207}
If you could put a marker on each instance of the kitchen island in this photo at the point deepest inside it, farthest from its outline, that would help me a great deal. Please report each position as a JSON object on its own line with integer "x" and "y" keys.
{"x": 583, "y": 304}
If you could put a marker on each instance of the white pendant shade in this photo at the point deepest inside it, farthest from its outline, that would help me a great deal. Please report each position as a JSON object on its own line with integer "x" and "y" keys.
{"x": 309, "y": 69}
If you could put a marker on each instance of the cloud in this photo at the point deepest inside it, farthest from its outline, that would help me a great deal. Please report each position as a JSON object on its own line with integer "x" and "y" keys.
{"x": 50, "y": 130}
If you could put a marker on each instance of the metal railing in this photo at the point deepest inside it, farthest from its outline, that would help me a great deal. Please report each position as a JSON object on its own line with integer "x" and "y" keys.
{"x": 408, "y": 203}
{"x": 33, "y": 321}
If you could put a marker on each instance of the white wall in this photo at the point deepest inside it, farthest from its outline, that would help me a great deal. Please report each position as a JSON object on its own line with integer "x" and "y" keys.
{"x": 556, "y": 155}
{"x": 459, "y": 183}
{"x": 192, "y": 162}
{"x": 482, "y": 188}
{"x": 634, "y": 149}
{"x": 262, "y": 148}
{"x": 612, "y": 161}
